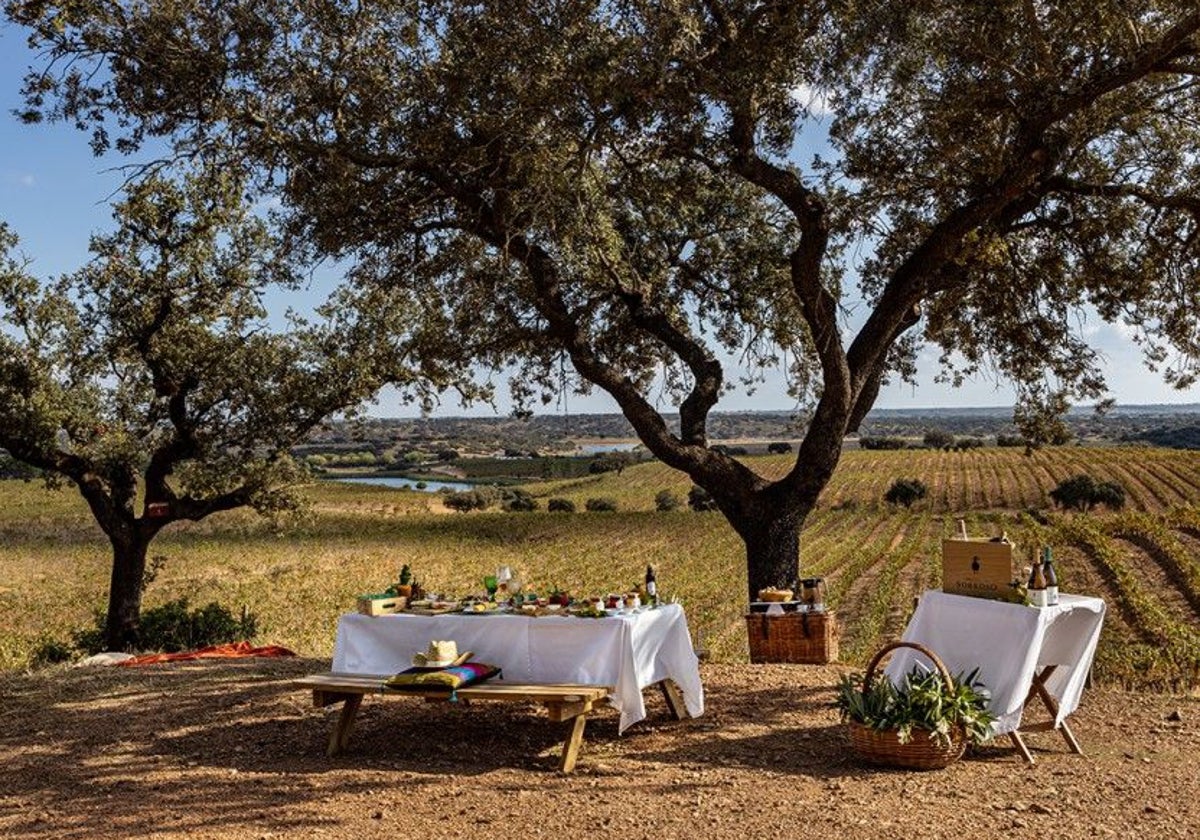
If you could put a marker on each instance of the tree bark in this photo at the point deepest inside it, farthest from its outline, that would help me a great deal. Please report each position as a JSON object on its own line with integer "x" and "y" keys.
{"x": 772, "y": 556}
{"x": 125, "y": 591}
{"x": 772, "y": 538}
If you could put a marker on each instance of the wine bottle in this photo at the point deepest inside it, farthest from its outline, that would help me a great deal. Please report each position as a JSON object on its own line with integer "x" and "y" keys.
{"x": 651, "y": 587}
{"x": 1050, "y": 575}
{"x": 1037, "y": 585}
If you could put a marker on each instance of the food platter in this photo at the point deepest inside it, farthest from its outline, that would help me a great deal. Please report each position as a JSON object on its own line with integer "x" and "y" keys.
{"x": 434, "y": 607}
{"x": 486, "y": 608}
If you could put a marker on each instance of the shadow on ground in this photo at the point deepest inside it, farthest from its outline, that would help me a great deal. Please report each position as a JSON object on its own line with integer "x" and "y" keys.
{"x": 221, "y": 746}
{"x": 81, "y": 756}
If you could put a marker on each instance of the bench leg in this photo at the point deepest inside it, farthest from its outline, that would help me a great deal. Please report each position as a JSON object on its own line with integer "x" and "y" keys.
{"x": 340, "y": 735}
{"x": 674, "y": 698}
{"x": 571, "y": 747}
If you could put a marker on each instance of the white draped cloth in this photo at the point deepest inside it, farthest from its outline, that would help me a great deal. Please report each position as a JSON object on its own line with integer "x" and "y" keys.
{"x": 1010, "y": 644}
{"x": 628, "y": 652}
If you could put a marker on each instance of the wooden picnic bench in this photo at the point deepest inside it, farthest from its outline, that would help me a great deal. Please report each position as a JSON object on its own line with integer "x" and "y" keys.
{"x": 562, "y": 702}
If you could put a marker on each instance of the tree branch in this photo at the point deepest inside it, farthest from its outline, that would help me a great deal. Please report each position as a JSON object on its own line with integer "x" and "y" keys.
{"x": 1154, "y": 56}
{"x": 817, "y": 304}
{"x": 1071, "y": 186}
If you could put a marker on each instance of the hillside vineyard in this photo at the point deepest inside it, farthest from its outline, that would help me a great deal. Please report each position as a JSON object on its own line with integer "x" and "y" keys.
{"x": 876, "y": 558}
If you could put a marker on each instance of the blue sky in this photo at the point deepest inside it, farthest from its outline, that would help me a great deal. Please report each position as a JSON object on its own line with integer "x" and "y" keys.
{"x": 54, "y": 194}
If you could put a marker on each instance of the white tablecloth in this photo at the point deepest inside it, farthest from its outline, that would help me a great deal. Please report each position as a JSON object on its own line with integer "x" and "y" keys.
{"x": 627, "y": 652}
{"x": 1009, "y": 643}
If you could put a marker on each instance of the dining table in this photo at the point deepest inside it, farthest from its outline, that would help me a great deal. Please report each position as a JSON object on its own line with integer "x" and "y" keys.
{"x": 629, "y": 652}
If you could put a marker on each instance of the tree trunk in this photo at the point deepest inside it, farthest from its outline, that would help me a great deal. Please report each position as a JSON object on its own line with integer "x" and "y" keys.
{"x": 773, "y": 550}
{"x": 772, "y": 559}
{"x": 125, "y": 592}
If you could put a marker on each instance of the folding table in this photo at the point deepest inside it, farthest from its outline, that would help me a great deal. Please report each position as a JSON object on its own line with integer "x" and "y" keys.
{"x": 1022, "y": 653}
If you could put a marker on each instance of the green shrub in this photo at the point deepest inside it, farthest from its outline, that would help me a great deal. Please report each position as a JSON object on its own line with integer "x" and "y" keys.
{"x": 1110, "y": 494}
{"x": 516, "y": 500}
{"x": 700, "y": 501}
{"x": 906, "y": 491}
{"x": 882, "y": 443}
{"x": 51, "y": 652}
{"x": 465, "y": 500}
{"x": 1082, "y": 492}
{"x": 779, "y": 448}
{"x": 173, "y": 627}
{"x": 601, "y": 505}
{"x": 611, "y": 462}
{"x": 666, "y": 500}
{"x": 560, "y": 506}
{"x": 938, "y": 439}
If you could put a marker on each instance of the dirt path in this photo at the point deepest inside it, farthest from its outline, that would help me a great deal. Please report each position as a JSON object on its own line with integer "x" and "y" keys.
{"x": 229, "y": 750}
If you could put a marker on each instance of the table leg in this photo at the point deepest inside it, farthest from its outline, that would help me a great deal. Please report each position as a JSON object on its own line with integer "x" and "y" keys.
{"x": 1039, "y": 684}
{"x": 1038, "y": 689}
{"x": 1019, "y": 743}
{"x": 571, "y": 747}
{"x": 340, "y": 735}
{"x": 674, "y": 698}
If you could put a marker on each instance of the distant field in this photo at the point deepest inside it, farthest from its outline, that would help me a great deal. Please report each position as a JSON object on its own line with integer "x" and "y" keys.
{"x": 1144, "y": 561}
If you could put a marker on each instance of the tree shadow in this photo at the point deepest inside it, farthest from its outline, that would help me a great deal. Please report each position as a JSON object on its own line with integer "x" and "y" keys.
{"x": 197, "y": 746}
{"x": 772, "y": 729}
{"x": 232, "y": 746}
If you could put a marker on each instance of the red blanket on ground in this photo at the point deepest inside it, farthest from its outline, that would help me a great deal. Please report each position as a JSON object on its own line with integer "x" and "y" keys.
{"x": 230, "y": 651}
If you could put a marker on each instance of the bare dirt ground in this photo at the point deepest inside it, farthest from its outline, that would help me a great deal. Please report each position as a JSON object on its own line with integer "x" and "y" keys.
{"x": 230, "y": 750}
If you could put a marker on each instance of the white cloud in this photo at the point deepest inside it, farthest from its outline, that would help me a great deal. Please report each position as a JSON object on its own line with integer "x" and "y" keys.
{"x": 17, "y": 179}
{"x": 1124, "y": 330}
{"x": 818, "y": 103}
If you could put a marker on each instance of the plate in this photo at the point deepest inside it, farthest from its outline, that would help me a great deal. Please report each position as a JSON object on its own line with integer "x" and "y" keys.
{"x": 481, "y": 609}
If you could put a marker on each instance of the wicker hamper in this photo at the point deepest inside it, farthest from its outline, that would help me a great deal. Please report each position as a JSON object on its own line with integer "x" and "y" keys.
{"x": 806, "y": 638}
{"x": 882, "y": 746}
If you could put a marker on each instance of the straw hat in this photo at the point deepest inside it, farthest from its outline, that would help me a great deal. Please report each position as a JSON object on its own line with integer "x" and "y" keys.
{"x": 438, "y": 655}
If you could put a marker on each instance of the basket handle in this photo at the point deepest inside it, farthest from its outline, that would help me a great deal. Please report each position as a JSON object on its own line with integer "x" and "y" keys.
{"x": 891, "y": 646}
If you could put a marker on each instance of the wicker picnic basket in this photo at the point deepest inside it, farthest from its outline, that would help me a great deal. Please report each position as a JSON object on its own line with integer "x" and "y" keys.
{"x": 922, "y": 752}
{"x": 808, "y": 638}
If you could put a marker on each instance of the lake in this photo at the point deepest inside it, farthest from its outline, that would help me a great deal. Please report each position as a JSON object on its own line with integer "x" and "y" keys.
{"x": 431, "y": 486}
{"x": 598, "y": 448}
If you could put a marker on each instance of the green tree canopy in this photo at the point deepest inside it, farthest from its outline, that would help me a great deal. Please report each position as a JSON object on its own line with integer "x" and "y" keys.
{"x": 621, "y": 186}
{"x": 152, "y": 380}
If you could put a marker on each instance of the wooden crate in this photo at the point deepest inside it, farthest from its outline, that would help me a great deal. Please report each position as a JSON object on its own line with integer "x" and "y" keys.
{"x": 807, "y": 638}
{"x": 381, "y": 604}
{"x": 980, "y": 568}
